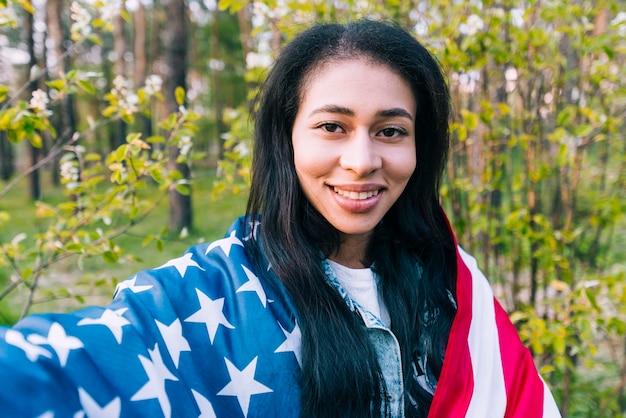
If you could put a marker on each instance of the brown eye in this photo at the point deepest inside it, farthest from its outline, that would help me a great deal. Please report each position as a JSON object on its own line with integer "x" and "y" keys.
{"x": 392, "y": 132}
{"x": 331, "y": 127}
{"x": 389, "y": 132}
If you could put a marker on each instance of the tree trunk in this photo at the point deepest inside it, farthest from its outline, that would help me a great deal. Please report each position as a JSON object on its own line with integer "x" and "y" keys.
{"x": 175, "y": 46}
{"x": 141, "y": 62}
{"x": 119, "y": 70}
{"x": 65, "y": 121}
{"x": 6, "y": 157}
{"x": 216, "y": 82}
{"x": 34, "y": 185}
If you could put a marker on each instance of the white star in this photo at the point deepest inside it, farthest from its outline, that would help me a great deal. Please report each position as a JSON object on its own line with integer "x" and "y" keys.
{"x": 113, "y": 320}
{"x": 174, "y": 341}
{"x": 242, "y": 384}
{"x": 130, "y": 285}
{"x": 181, "y": 264}
{"x": 154, "y": 388}
{"x": 206, "y": 409}
{"x": 93, "y": 410}
{"x": 253, "y": 285}
{"x": 31, "y": 350}
{"x": 292, "y": 343}
{"x": 210, "y": 314}
{"x": 59, "y": 341}
{"x": 47, "y": 414}
{"x": 253, "y": 234}
{"x": 225, "y": 244}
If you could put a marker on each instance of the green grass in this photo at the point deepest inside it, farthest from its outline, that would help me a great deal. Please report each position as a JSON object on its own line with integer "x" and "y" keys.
{"x": 69, "y": 284}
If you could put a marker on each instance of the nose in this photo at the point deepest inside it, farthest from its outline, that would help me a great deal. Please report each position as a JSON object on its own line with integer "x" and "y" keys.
{"x": 360, "y": 154}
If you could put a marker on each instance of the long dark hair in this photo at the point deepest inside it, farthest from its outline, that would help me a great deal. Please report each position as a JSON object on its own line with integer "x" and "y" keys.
{"x": 414, "y": 250}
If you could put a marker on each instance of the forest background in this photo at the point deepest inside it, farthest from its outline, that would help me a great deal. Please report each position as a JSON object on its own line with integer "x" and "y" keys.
{"x": 118, "y": 115}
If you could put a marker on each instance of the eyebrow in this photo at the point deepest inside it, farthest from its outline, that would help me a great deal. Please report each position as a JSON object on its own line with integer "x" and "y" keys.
{"x": 387, "y": 113}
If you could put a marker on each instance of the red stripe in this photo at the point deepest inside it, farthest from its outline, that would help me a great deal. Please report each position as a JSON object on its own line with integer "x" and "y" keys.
{"x": 524, "y": 387}
{"x": 456, "y": 383}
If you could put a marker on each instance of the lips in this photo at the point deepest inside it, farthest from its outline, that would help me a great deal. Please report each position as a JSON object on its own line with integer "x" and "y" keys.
{"x": 355, "y": 195}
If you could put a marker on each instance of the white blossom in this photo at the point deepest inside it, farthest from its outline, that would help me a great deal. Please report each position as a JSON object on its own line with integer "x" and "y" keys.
{"x": 153, "y": 84}
{"x": 81, "y": 25}
{"x": 517, "y": 17}
{"x": 242, "y": 149}
{"x": 254, "y": 60}
{"x": 39, "y": 101}
{"x": 473, "y": 25}
{"x": 620, "y": 22}
{"x": 184, "y": 145}
{"x": 109, "y": 9}
{"x": 69, "y": 171}
{"x": 120, "y": 84}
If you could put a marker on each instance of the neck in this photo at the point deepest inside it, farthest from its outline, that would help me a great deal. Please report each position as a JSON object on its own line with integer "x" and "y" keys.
{"x": 352, "y": 252}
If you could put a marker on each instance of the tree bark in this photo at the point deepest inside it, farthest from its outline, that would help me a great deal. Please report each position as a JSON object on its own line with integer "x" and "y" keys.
{"x": 6, "y": 157}
{"x": 34, "y": 185}
{"x": 119, "y": 70}
{"x": 175, "y": 45}
{"x": 216, "y": 82}
{"x": 65, "y": 121}
{"x": 141, "y": 62}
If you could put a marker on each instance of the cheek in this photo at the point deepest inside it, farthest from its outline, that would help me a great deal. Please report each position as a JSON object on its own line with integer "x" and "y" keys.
{"x": 311, "y": 162}
{"x": 404, "y": 165}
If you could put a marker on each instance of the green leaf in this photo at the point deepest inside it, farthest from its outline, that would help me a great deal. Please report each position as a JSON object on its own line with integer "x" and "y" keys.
{"x": 87, "y": 86}
{"x": 180, "y": 95}
{"x": 224, "y": 5}
{"x": 4, "y": 90}
{"x": 125, "y": 15}
{"x": 36, "y": 140}
{"x": 74, "y": 247}
{"x": 469, "y": 119}
{"x": 155, "y": 139}
{"x": 110, "y": 257}
{"x": 56, "y": 84}
{"x": 183, "y": 189}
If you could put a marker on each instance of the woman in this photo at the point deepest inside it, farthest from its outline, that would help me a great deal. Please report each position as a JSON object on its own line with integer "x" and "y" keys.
{"x": 341, "y": 293}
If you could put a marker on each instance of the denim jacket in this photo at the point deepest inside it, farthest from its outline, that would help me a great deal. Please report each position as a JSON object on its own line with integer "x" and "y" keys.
{"x": 385, "y": 344}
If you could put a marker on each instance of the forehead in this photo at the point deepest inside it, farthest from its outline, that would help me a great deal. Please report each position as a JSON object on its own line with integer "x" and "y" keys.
{"x": 359, "y": 78}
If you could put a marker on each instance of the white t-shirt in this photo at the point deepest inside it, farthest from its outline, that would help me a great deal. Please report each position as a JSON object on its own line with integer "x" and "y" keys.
{"x": 362, "y": 287}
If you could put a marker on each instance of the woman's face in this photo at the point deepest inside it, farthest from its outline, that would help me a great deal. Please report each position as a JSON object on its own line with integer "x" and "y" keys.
{"x": 354, "y": 142}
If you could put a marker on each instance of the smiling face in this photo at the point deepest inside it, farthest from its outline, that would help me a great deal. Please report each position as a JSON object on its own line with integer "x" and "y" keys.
{"x": 354, "y": 145}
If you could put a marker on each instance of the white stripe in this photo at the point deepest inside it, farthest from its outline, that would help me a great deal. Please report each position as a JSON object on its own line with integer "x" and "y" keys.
{"x": 489, "y": 396}
{"x": 550, "y": 410}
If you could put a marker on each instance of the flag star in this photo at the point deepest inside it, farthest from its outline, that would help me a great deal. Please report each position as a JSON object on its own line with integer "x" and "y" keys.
{"x": 31, "y": 350}
{"x": 292, "y": 343}
{"x": 47, "y": 414}
{"x": 242, "y": 384}
{"x": 225, "y": 244}
{"x": 174, "y": 341}
{"x": 93, "y": 410}
{"x": 206, "y": 409}
{"x": 210, "y": 313}
{"x": 254, "y": 226}
{"x": 60, "y": 342}
{"x": 154, "y": 388}
{"x": 253, "y": 285}
{"x": 113, "y": 320}
{"x": 181, "y": 264}
{"x": 130, "y": 285}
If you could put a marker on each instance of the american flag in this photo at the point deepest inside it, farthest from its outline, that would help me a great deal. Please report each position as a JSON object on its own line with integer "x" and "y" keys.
{"x": 204, "y": 336}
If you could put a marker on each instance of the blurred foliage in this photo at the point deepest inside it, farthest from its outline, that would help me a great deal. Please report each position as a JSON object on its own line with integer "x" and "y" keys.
{"x": 103, "y": 193}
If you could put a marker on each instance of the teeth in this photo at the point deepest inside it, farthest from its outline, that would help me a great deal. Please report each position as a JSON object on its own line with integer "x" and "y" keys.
{"x": 356, "y": 195}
